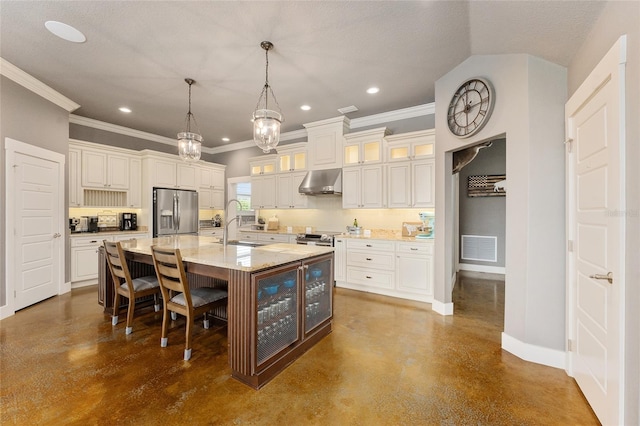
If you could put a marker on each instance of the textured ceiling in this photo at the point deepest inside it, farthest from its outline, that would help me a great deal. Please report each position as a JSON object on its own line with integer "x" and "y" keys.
{"x": 327, "y": 53}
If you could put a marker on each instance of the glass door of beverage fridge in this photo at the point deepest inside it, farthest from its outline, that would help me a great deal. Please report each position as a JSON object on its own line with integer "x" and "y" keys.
{"x": 277, "y": 318}
{"x": 318, "y": 292}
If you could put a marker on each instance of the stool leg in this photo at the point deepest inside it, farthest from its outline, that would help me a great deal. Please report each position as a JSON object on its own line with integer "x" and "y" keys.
{"x": 156, "y": 302}
{"x": 187, "y": 346}
{"x": 205, "y": 324}
{"x": 116, "y": 308}
{"x": 132, "y": 307}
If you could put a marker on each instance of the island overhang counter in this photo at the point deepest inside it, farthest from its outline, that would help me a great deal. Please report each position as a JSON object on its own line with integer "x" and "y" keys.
{"x": 280, "y": 296}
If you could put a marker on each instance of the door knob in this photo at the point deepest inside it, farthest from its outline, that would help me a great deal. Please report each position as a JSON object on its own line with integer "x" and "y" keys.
{"x": 56, "y": 235}
{"x": 608, "y": 277}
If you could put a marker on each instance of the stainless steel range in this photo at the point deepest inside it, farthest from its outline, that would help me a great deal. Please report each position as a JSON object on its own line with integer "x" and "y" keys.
{"x": 319, "y": 239}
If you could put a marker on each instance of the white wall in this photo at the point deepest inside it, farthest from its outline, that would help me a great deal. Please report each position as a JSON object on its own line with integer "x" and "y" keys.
{"x": 529, "y": 112}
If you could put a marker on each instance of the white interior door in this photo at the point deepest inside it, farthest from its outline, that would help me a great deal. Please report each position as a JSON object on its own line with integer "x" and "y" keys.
{"x": 595, "y": 117}
{"x": 35, "y": 194}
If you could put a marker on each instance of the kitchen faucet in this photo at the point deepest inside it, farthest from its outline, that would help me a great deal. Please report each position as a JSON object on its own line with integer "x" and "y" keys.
{"x": 225, "y": 233}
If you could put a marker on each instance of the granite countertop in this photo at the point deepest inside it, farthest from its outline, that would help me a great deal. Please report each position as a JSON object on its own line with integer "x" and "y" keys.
{"x": 93, "y": 234}
{"x": 209, "y": 251}
{"x": 386, "y": 234}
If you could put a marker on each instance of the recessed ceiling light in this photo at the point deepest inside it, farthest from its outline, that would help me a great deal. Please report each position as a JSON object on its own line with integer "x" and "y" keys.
{"x": 305, "y": 107}
{"x": 64, "y": 31}
{"x": 225, "y": 139}
{"x": 372, "y": 90}
{"x": 125, "y": 110}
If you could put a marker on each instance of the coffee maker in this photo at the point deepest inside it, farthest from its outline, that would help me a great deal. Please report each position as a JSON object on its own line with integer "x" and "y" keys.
{"x": 128, "y": 221}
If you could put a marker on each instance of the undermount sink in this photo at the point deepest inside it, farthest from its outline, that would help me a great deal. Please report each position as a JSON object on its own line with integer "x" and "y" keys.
{"x": 242, "y": 243}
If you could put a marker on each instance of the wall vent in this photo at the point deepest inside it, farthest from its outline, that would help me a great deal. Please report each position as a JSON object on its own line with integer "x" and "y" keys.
{"x": 478, "y": 247}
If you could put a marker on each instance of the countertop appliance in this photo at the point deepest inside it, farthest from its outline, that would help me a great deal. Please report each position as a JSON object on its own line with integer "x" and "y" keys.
{"x": 108, "y": 221}
{"x": 74, "y": 224}
{"x": 320, "y": 239}
{"x": 128, "y": 221}
{"x": 175, "y": 211}
{"x": 92, "y": 223}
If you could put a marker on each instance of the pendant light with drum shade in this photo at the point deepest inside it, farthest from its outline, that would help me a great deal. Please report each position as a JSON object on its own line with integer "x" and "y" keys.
{"x": 266, "y": 122}
{"x": 190, "y": 143}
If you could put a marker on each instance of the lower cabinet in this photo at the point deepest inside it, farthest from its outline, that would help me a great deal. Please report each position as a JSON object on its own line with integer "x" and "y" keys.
{"x": 293, "y": 303}
{"x": 400, "y": 269}
{"x": 84, "y": 256}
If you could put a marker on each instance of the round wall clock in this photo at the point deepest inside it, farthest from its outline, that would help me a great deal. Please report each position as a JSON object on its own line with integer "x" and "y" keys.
{"x": 470, "y": 107}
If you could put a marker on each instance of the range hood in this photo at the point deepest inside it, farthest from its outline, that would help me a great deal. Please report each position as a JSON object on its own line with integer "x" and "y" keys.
{"x": 318, "y": 182}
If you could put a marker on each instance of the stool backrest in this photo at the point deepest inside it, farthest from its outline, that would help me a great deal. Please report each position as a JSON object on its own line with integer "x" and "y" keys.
{"x": 171, "y": 273}
{"x": 117, "y": 263}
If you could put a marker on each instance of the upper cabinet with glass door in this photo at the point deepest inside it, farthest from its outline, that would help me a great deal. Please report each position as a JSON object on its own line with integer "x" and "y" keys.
{"x": 292, "y": 157}
{"x": 365, "y": 147}
{"x": 411, "y": 146}
{"x": 265, "y": 165}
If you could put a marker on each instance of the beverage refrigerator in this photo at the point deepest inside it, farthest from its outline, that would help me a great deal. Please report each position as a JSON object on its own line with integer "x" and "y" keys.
{"x": 175, "y": 211}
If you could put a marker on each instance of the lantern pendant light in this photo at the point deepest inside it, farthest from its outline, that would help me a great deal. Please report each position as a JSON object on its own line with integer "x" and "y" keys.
{"x": 266, "y": 122}
{"x": 190, "y": 143}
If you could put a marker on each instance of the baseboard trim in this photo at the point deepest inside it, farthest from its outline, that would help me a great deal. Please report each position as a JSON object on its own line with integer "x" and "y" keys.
{"x": 533, "y": 353}
{"x": 481, "y": 268}
{"x": 442, "y": 308}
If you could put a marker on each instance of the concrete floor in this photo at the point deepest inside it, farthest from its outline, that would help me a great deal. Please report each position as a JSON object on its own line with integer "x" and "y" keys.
{"x": 387, "y": 362}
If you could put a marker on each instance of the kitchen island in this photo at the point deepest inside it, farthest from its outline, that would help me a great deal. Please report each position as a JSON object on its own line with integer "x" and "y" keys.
{"x": 280, "y": 297}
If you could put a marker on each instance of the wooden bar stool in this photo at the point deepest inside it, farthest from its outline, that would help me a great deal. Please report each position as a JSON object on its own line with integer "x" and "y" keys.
{"x": 130, "y": 288}
{"x": 188, "y": 302}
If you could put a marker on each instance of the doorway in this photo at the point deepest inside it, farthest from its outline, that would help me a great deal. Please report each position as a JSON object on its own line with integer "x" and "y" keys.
{"x": 35, "y": 236}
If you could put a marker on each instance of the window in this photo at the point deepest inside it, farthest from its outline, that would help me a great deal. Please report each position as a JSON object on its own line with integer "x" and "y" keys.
{"x": 243, "y": 194}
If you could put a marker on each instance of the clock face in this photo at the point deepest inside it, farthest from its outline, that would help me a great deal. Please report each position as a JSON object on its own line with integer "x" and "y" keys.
{"x": 470, "y": 107}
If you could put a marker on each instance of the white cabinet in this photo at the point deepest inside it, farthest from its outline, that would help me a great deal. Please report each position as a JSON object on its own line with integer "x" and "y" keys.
{"x": 288, "y": 196}
{"x": 84, "y": 254}
{"x": 340, "y": 259}
{"x": 211, "y": 187}
{"x": 324, "y": 144}
{"x": 211, "y": 232}
{"x": 172, "y": 174}
{"x": 364, "y": 147}
{"x": 211, "y": 177}
{"x": 104, "y": 170}
{"x": 263, "y": 182}
{"x": 84, "y": 257}
{"x": 411, "y": 170}
{"x": 292, "y": 158}
{"x": 411, "y": 146}
{"x": 414, "y": 269}
{"x": 274, "y": 238}
{"x": 370, "y": 264}
{"x": 265, "y": 165}
{"x": 75, "y": 171}
{"x": 362, "y": 187}
{"x": 411, "y": 184}
{"x": 263, "y": 192}
{"x": 400, "y": 269}
{"x": 135, "y": 183}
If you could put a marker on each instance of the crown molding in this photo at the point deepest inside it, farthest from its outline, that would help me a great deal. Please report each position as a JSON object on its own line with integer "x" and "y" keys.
{"x": 36, "y": 86}
{"x": 399, "y": 114}
{"x": 385, "y": 117}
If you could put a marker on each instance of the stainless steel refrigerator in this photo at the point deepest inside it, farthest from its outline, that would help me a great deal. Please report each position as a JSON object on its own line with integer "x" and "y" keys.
{"x": 175, "y": 211}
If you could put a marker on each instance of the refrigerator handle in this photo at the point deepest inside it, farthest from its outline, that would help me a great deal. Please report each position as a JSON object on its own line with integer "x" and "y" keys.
{"x": 175, "y": 211}
{"x": 178, "y": 210}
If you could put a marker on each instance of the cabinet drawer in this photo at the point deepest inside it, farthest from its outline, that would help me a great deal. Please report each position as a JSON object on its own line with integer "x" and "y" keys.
{"x": 415, "y": 248}
{"x": 368, "y": 277}
{"x": 93, "y": 241}
{"x": 370, "y": 259}
{"x": 370, "y": 244}
{"x": 273, "y": 238}
{"x": 248, "y": 236}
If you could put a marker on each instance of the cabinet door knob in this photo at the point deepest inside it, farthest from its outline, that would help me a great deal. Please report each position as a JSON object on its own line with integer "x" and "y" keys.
{"x": 368, "y": 258}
